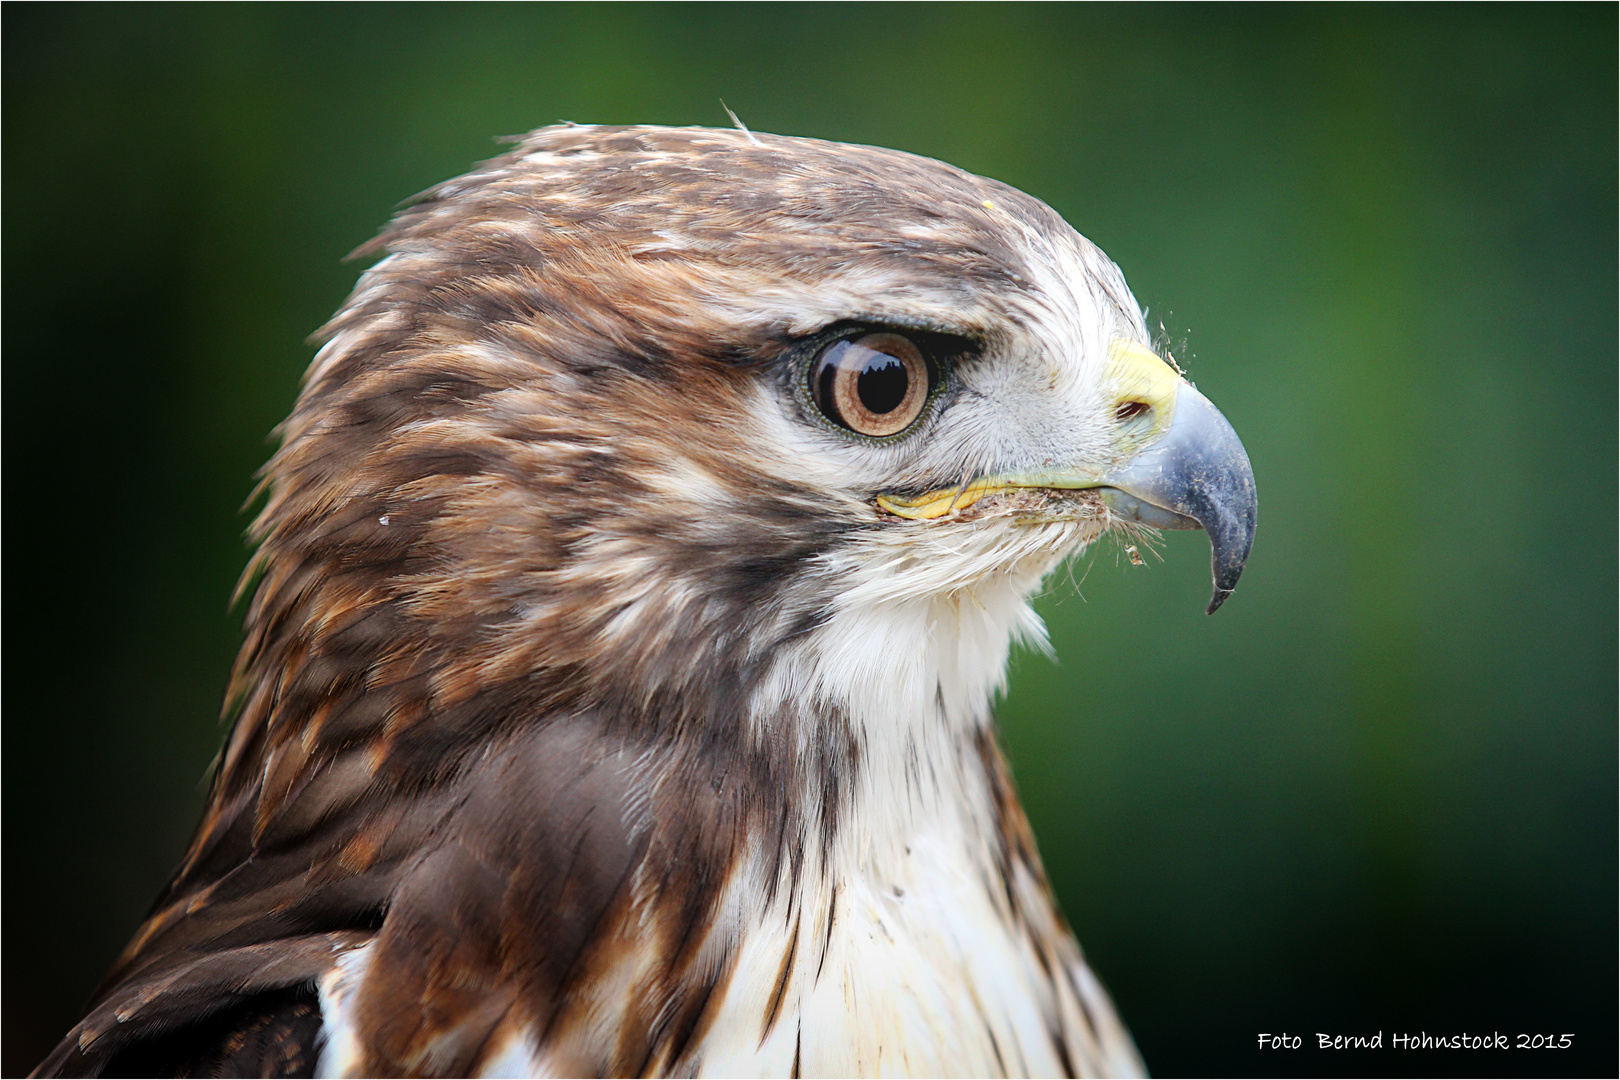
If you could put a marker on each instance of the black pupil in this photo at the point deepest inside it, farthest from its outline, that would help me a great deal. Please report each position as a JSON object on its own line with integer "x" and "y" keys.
{"x": 881, "y": 385}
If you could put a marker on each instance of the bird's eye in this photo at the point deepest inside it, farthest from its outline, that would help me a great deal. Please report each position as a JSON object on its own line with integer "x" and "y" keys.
{"x": 874, "y": 385}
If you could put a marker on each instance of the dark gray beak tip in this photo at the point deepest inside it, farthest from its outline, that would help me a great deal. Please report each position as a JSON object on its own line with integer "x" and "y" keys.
{"x": 1229, "y": 512}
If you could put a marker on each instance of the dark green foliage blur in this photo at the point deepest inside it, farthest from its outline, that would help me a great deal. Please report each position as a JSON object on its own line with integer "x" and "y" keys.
{"x": 1376, "y": 792}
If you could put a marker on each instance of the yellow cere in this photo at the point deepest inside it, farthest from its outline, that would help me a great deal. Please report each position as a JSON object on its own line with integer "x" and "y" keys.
{"x": 1139, "y": 375}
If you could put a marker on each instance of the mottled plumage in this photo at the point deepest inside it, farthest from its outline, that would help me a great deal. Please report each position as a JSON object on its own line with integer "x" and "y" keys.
{"x": 606, "y": 708}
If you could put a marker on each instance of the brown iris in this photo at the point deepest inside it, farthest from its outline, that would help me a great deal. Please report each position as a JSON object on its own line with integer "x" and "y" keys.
{"x": 875, "y": 385}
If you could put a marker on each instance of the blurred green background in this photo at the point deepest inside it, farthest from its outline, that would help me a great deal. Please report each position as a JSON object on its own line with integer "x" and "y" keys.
{"x": 1376, "y": 792}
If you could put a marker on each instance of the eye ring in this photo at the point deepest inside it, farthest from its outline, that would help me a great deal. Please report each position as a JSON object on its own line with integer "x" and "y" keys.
{"x": 876, "y": 384}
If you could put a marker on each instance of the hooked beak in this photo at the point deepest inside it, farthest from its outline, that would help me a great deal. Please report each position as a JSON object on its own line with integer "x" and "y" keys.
{"x": 1197, "y": 476}
{"x": 1183, "y": 467}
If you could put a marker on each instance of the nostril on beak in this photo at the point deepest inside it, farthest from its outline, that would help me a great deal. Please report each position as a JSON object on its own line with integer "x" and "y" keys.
{"x": 1130, "y": 410}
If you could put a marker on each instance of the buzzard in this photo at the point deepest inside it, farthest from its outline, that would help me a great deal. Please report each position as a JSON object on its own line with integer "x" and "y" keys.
{"x": 635, "y": 575}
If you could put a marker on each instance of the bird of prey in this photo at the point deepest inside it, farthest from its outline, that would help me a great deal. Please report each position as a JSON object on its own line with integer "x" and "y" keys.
{"x": 635, "y": 575}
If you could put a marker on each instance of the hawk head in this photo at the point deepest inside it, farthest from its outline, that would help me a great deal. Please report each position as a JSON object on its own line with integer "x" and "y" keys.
{"x": 646, "y": 545}
{"x": 627, "y": 411}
